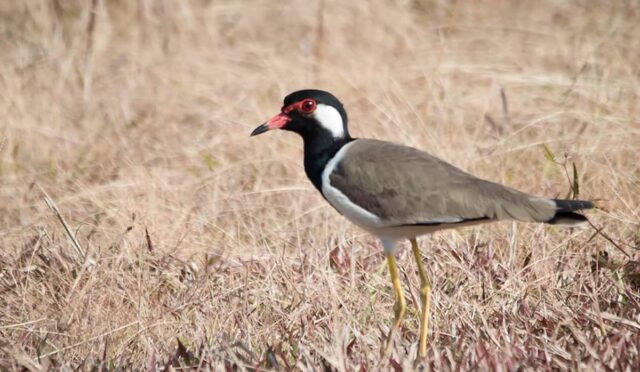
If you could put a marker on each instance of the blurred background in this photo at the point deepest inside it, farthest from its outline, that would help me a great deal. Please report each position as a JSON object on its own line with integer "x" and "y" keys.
{"x": 164, "y": 220}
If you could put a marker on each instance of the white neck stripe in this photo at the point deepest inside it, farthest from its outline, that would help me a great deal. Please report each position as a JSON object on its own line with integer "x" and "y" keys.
{"x": 328, "y": 117}
{"x": 340, "y": 201}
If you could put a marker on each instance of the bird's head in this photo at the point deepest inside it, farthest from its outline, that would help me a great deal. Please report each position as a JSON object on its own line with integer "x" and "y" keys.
{"x": 310, "y": 113}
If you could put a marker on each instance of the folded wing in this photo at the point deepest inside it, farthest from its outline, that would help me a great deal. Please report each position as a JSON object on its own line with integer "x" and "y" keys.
{"x": 404, "y": 186}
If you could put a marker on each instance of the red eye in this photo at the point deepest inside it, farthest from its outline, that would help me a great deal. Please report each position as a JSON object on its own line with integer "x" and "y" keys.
{"x": 308, "y": 106}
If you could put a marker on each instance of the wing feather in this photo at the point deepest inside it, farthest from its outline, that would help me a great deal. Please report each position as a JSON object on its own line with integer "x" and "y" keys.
{"x": 405, "y": 186}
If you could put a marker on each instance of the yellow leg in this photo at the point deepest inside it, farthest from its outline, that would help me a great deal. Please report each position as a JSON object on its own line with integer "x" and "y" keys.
{"x": 425, "y": 297}
{"x": 400, "y": 306}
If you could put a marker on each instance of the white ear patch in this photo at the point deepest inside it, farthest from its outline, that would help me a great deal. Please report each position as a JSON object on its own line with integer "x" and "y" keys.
{"x": 329, "y": 118}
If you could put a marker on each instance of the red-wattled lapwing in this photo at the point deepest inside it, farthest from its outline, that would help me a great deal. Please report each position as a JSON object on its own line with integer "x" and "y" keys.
{"x": 396, "y": 192}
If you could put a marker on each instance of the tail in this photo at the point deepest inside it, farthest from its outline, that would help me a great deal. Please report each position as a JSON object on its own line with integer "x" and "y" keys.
{"x": 565, "y": 214}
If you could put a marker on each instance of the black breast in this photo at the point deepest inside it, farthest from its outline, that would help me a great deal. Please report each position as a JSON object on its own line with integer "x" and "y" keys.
{"x": 316, "y": 157}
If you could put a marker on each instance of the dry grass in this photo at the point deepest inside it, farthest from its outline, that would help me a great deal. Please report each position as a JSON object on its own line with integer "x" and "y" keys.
{"x": 134, "y": 116}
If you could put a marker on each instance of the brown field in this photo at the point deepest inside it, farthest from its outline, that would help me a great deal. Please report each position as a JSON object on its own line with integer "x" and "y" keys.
{"x": 191, "y": 244}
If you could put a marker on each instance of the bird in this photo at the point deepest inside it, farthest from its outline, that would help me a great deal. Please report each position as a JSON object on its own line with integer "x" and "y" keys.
{"x": 398, "y": 193}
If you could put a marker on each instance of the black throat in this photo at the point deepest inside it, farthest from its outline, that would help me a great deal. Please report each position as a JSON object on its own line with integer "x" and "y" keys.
{"x": 318, "y": 150}
{"x": 320, "y": 144}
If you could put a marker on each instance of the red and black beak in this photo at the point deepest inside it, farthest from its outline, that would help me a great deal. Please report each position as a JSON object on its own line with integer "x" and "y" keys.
{"x": 275, "y": 122}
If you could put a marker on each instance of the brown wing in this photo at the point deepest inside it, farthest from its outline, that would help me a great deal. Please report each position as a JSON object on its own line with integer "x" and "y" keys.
{"x": 405, "y": 186}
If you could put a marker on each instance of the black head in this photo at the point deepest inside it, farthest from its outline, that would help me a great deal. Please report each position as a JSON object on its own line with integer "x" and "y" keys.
{"x": 311, "y": 113}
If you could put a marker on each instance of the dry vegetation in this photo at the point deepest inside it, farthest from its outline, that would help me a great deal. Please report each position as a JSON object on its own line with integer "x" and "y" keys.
{"x": 205, "y": 247}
